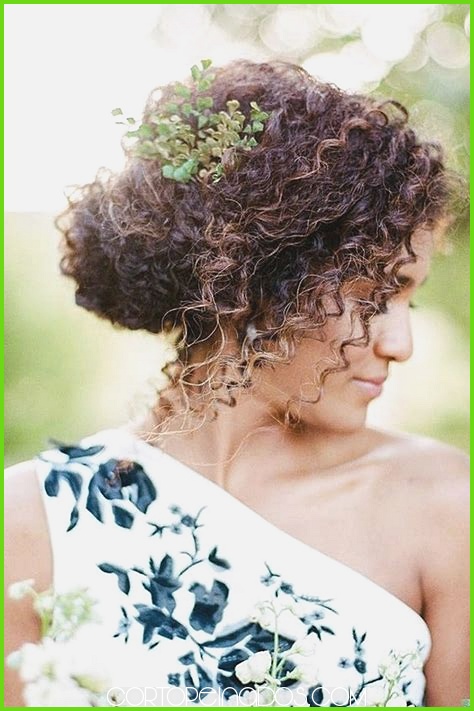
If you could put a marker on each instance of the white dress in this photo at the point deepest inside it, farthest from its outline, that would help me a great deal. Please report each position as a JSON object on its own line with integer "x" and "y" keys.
{"x": 190, "y": 583}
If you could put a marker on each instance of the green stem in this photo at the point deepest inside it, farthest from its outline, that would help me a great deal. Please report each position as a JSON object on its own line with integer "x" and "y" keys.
{"x": 280, "y": 666}
{"x": 275, "y": 651}
{"x": 390, "y": 689}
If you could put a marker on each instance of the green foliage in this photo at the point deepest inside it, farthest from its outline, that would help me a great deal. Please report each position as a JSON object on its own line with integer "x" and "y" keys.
{"x": 187, "y": 137}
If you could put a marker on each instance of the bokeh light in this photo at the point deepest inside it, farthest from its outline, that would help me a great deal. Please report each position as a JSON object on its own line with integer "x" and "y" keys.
{"x": 353, "y": 68}
{"x": 448, "y": 45}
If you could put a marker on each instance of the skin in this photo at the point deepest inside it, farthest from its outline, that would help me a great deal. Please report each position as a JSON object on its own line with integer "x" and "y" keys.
{"x": 413, "y": 538}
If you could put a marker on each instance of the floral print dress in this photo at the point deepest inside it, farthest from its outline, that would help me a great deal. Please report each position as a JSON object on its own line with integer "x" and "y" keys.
{"x": 207, "y": 602}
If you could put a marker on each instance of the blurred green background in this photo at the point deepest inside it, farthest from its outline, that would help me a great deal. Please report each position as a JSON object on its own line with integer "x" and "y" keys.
{"x": 68, "y": 374}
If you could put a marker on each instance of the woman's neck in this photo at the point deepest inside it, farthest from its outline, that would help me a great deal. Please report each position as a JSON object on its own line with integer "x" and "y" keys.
{"x": 251, "y": 436}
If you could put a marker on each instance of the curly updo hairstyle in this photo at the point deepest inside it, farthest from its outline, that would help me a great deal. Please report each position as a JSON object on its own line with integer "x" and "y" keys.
{"x": 332, "y": 193}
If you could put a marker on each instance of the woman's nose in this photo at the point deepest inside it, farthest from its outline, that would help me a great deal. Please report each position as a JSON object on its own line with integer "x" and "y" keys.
{"x": 393, "y": 337}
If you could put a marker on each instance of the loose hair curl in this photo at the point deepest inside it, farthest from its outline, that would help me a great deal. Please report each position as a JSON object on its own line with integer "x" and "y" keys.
{"x": 331, "y": 195}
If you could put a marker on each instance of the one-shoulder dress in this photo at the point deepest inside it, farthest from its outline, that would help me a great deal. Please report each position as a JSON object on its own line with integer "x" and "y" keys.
{"x": 206, "y": 598}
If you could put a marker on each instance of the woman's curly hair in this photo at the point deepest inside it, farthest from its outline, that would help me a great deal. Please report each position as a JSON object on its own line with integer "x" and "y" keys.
{"x": 332, "y": 194}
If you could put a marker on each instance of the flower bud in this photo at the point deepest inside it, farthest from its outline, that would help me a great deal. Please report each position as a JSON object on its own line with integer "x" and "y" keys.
{"x": 255, "y": 668}
{"x": 19, "y": 590}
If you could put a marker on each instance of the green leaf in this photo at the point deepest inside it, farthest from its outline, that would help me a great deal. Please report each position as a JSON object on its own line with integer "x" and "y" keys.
{"x": 218, "y": 173}
{"x": 117, "y": 112}
{"x": 191, "y": 163}
{"x": 167, "y": 171}
{"x": 164, "y": 129}
{"x": 259, "y": 116}
{"x": 145, "y": 131}
{"x": 131, "y": 120}
{"x": 181, "y": 175}
{"x": 185, "y": 171}
{"x": 204, "y": 102}
{"x": 206, "y": 63}
{"x": 252, "y": 142}
{"x": 257, "y": 126}
{"x": 183, "y": 91}
{"x": 202, "y": 121}
{"x": 204, "y": 84}
{"x": 232, "y": 106}
{"x": 186, "y": 109}
{"x": 195, "y": 72}
{"x": 171, "y": 108}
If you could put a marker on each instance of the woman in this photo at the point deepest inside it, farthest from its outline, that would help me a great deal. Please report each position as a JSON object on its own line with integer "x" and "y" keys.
{"x": 255, "y": 520}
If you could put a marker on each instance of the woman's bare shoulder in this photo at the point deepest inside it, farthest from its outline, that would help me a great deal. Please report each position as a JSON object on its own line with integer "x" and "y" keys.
{"x": 27, "y": 557}
{"x": 26, "y": 529}
{"x": 442, "y": 474}
{"x": 432, "y": 500}
{"x": 428, "y": 483}
{"x": 423, "y": 460}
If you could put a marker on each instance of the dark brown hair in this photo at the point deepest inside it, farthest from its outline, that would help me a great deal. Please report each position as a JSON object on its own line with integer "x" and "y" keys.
{"x": 332, "y": 194}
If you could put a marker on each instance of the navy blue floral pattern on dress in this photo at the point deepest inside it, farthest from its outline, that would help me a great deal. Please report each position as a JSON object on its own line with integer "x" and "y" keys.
{"x": 154, "y": 592}
{"x": 113, "y": 480}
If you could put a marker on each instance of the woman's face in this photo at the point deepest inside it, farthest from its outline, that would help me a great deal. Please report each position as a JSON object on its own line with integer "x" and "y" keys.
{"x": 346, "y": 395}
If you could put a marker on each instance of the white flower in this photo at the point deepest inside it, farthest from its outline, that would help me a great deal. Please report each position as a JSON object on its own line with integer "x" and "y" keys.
{"x": 255, "y": 668}
{"x": 44, "y": 603}
{"x": 372, "y": 695}
{"x": 417, "y": 661}
{"x": 45, "y": 693}
{"x": 95, "y": 661}
{"x": 307, "y": 672}
{"x": 274, "y": 606}
{"x": 289, "y": 625}
{"x": 282, "y": 604}
{"x": 390, "y": 670}
{"x": 306, "y": 646}
{"x": 264, "y": 615}
{"x": 14, "y": 660}
{"x": 71, "y": 610}
{"x": 410, "y": 656}
{"x": 280, "y": 614}
{"x": 19, "y": 590}
{"x": 397, "y": 700}
{"x": 32, "y": 661}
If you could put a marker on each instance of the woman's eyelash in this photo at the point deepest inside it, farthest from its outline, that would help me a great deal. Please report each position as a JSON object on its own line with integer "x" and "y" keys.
{"x": 383, "y": 308}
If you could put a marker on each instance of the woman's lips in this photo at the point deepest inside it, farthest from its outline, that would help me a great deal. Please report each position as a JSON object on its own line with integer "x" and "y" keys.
{"x": 372, "y": 388}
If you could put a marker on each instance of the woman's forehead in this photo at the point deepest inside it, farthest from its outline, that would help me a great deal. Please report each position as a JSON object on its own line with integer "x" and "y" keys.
{"x": 423, "y": 242}
{"x": 423, "y": 245}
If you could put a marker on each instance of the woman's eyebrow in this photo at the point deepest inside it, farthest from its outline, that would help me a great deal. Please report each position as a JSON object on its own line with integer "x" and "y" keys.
{"x": 409, "y": 282}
